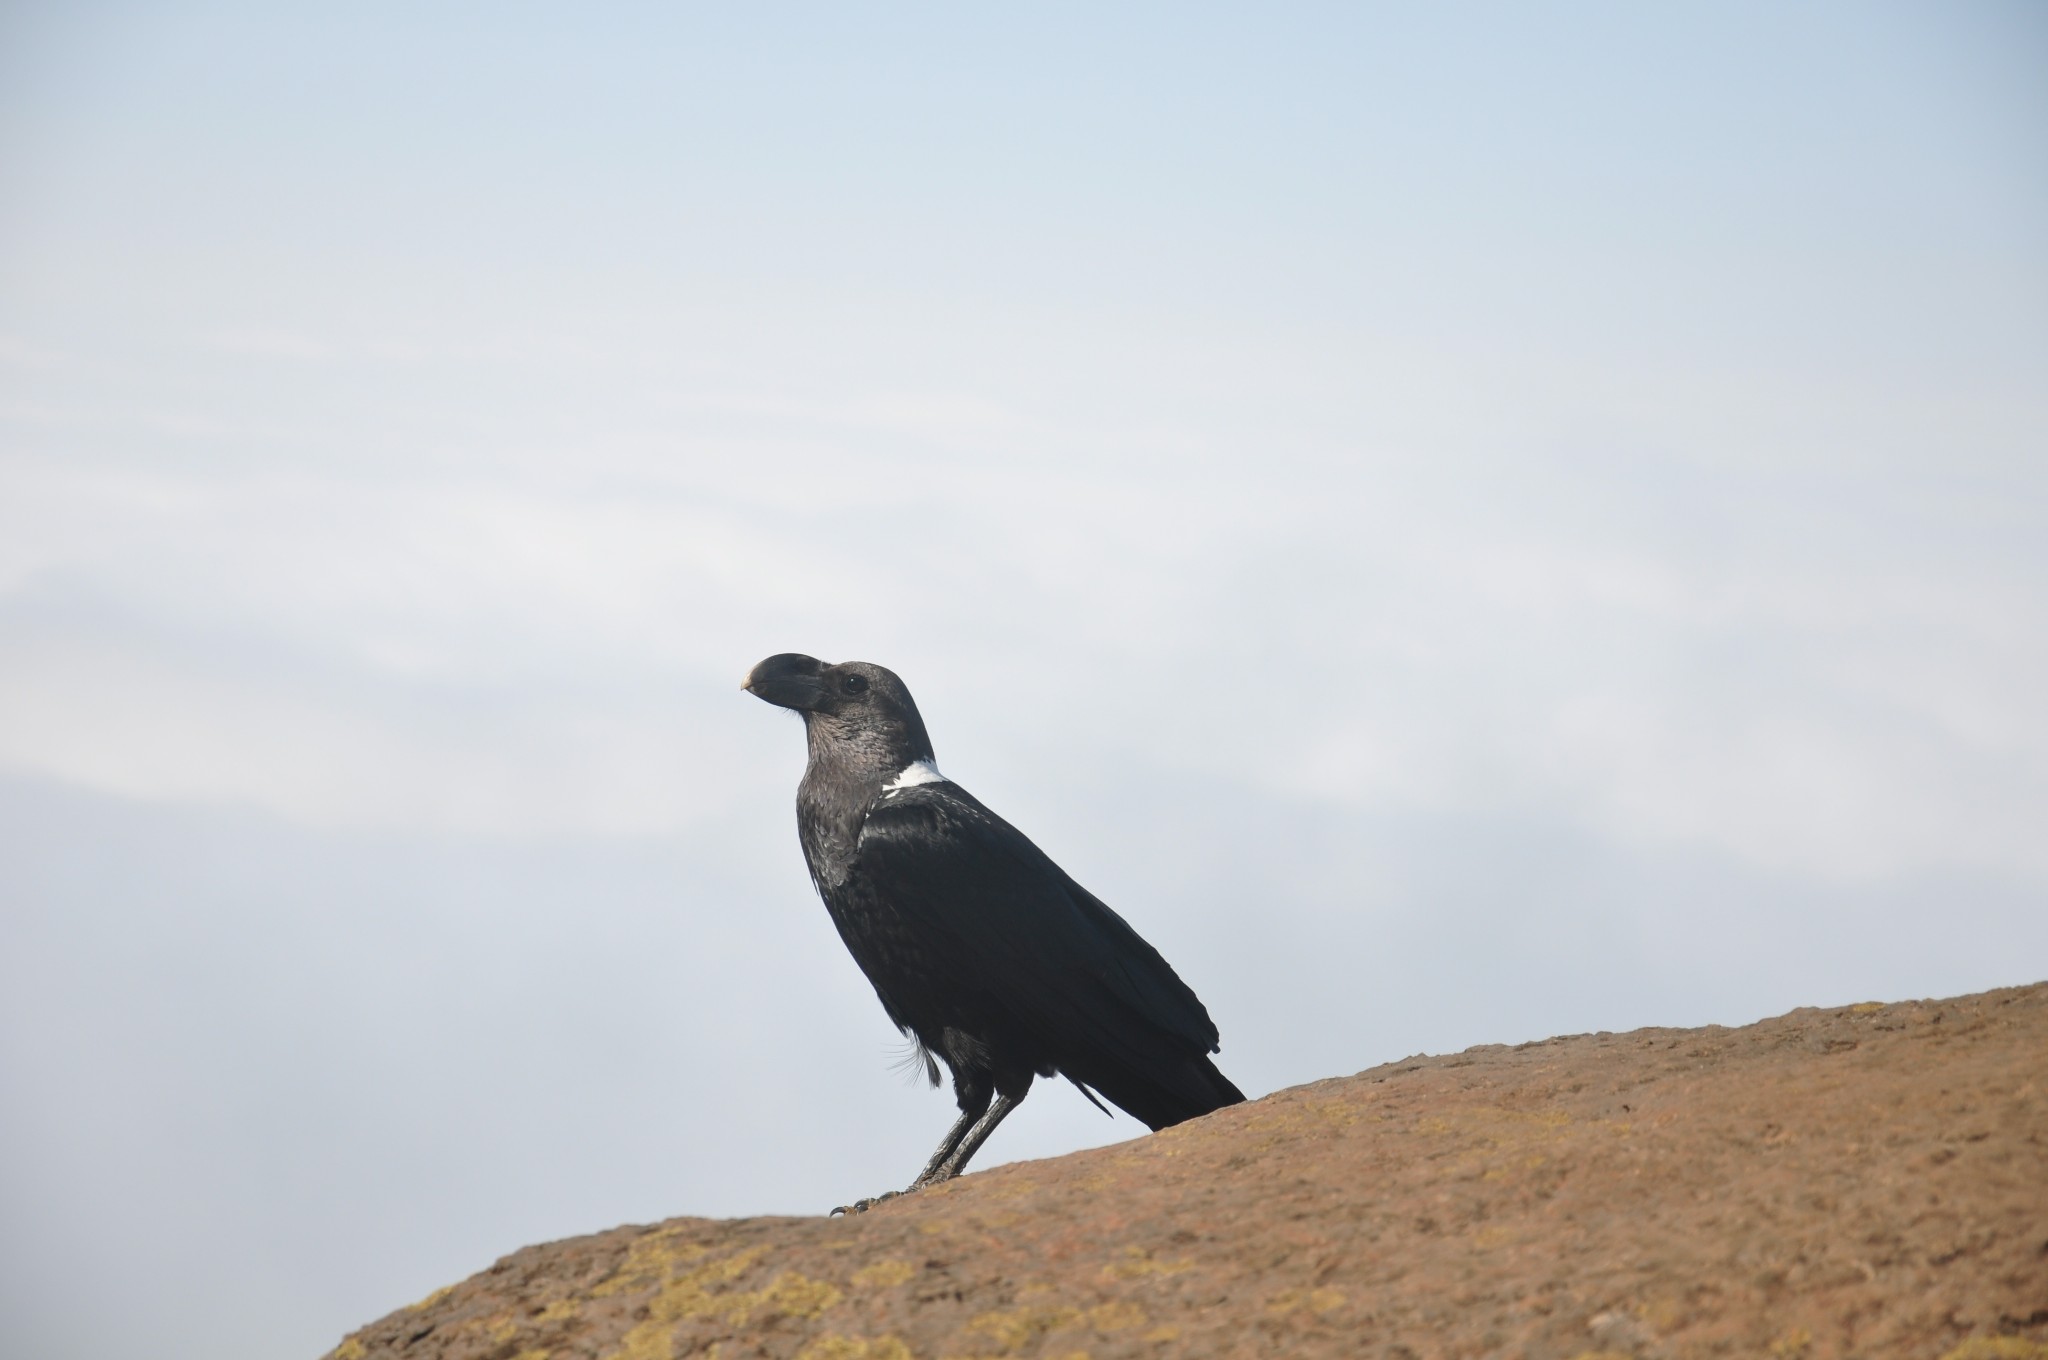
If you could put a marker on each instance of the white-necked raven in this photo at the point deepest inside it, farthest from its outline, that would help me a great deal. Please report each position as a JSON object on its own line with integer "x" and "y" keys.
{"x": 981, "y": 949}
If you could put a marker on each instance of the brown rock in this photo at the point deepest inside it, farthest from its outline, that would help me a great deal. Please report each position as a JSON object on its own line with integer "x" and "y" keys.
{"x": 1863, "y": 1182}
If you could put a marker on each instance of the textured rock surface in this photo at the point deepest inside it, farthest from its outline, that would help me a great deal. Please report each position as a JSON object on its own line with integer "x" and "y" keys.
{"x": 1869, "y": 1181}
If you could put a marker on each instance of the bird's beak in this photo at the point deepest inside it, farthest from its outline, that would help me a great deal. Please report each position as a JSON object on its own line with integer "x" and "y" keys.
{"x": 787, "y": 680}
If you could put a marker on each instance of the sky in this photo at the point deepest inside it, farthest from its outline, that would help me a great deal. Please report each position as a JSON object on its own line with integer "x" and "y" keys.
{"x": 1462, "y": 523}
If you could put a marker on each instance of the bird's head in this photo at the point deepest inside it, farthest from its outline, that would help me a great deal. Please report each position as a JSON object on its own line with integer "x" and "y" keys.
{"x": 856, "y": 706}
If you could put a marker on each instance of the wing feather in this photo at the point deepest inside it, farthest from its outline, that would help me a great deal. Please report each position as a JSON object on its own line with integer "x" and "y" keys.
{"x": 1010, "y": 923}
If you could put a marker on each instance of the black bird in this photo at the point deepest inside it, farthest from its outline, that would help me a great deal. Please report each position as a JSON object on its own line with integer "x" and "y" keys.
{"x": 981, "y": 949}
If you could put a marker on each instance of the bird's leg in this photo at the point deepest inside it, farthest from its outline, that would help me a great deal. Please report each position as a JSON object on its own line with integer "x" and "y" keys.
{"x": 961, "y": 1128}
{"x": 956, "y": 1163}
{"x": 972, "y": 1106}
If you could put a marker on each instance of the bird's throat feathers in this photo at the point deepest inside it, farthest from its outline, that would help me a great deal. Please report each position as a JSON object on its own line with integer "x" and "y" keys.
{"x": 861, "y": 752}
{"x": 852, "y": 765}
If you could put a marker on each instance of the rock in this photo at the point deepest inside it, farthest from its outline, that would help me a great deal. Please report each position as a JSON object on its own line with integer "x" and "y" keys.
{"x": 1862, "y": 1182}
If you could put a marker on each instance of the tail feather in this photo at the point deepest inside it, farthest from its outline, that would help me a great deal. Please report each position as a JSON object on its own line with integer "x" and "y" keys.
{"x": 1163, "y": 1098}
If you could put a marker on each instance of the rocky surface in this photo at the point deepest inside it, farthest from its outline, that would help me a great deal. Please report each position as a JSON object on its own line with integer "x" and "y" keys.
{"x": 1868, "y": 1181}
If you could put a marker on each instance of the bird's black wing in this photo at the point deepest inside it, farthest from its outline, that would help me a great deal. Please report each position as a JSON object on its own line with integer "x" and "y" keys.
{"x": 1058, "y": 962}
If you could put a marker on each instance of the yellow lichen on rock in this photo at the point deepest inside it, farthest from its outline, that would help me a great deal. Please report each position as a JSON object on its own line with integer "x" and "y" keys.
{"x": 832, "y": 1346}
{"x": 652, "y": 1340}
{"x": 693, "y": 1295}
{"x": 1014, "y": 1188}
{"x": 1116, "y": 1316}
{"x": 1663, "y": 1313}
{"x": 651, "y": 1257}
{"x": 1999, "y": 1348}
{"x": 1792, "y": 1345}
{"x": 1292, "y": 1117}
{"x": 687, "y": 1300}
{"x": 1012, "y": 1327}
{"x": 794, "y": 1295}
{"x": 351, "y": 1349}
{"x": 1138, "y": 1263}
{"x": 1315, "y": 1300}
{"x": 882, "y": 1274}
{"x": 430, "y": 1300}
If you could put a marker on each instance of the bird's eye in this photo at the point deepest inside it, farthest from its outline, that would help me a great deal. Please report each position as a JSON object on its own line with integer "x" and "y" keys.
{"x": 854, "y": 684}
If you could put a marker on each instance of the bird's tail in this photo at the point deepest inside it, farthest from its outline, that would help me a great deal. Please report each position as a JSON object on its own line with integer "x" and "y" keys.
{"x": 1165, "y": 1097}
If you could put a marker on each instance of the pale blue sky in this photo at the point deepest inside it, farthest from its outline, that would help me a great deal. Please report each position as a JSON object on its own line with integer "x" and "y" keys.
{"x": 1463, "y": 523}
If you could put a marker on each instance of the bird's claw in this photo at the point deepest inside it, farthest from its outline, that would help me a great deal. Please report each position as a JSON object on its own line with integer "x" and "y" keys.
{"x": 861, "y": 1206}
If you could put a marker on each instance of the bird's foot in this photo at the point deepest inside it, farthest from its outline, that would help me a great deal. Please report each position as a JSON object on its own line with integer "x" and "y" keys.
{"x": 861, "y": 1206}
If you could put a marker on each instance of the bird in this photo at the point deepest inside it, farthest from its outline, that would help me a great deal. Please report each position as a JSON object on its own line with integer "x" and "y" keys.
{"x": 984, "y": 953}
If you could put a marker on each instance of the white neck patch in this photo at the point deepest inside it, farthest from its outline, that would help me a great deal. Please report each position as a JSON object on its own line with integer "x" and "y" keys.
{"x": 911, "y": 775}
